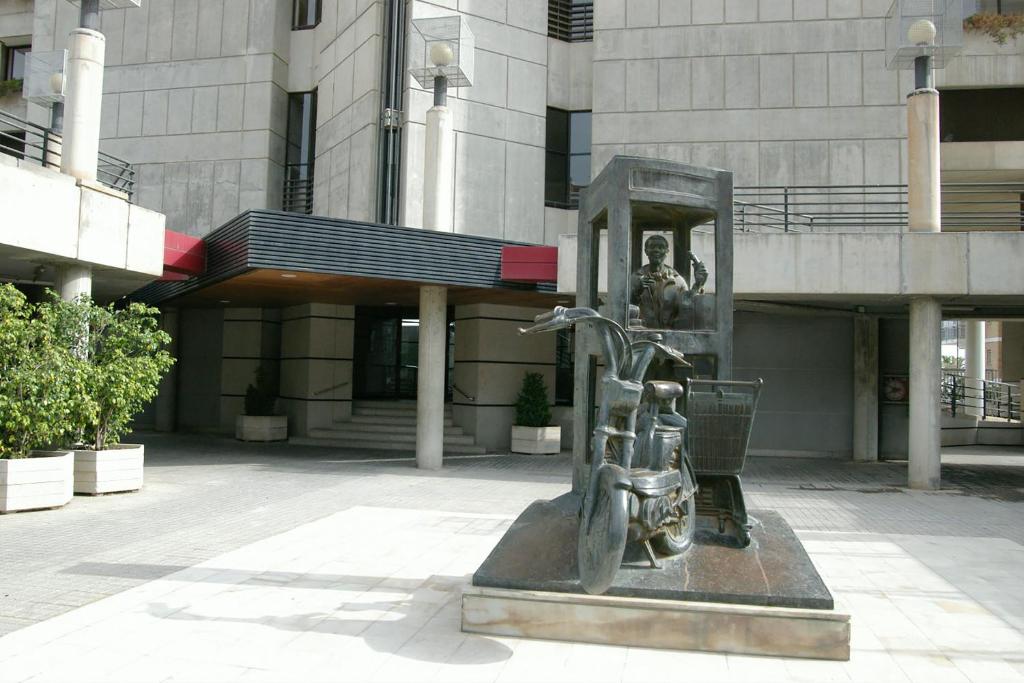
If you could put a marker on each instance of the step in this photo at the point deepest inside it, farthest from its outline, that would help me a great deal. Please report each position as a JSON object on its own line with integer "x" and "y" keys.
{"x": 389, "y": 428}
{"x": 386, "y": 437}
{"x": 386, "y": 420}
{"x": 390, "y": 412}
{"x": 350, "y": 444}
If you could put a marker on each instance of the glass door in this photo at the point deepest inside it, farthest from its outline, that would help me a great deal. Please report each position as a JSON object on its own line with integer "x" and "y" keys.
{"x": 387, "y": 346}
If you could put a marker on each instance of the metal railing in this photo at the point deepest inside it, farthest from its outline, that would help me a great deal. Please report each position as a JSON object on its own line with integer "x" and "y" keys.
{"x": 873, "y": 208}
{"x": 984, "y": 398}
{"x": 297, "y": 195}
{"x": 37, "y": 144}
{"x": 572, "y": 22}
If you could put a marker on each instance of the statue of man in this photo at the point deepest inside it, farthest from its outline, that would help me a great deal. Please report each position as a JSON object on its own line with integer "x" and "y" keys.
{"x": 662, "y": 294}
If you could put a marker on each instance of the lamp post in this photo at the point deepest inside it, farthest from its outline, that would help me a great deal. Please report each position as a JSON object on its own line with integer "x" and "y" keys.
{"x": 923, "y": 36}
{"x": 442, "y": 52}
{"x": 82, "y": 115}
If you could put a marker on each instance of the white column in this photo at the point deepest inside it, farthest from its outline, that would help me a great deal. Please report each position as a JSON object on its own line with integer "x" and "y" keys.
{"x": 83, "y": 103}
{"x": 925, "y": 409}
{"x": 865, "y": 388}
{"x": 974, "y": 369}
{"x": 924, "y": 215}
{"x": 924, "y": 193}
{"x": 431, "y": 377}
{"x": 439, "y": 170}
{"x": 73, "y": 281}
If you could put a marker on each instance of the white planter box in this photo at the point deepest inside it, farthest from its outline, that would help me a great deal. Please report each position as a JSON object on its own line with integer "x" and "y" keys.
{"x": 114, "y": 469}
{"x": 42, "y": 480}
{"x": 536, "y": 440}
{"x": 261, "y": 427}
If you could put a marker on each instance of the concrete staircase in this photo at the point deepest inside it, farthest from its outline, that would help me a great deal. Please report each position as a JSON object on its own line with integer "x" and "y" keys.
{"x": 387, "y": 425}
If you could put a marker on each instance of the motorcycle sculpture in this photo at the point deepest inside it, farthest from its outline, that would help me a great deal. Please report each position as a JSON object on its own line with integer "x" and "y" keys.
{"x": 642, "y": 485}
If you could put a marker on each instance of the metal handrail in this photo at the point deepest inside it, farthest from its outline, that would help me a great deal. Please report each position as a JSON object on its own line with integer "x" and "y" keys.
{"x": 471, "y": 399}
{"x": 297, "y": 193}
{"x": 27, "y": 141}
{"x": 873, "y": 208}
{"x": 991, "y": 400}
{"x": 331, "y": 388}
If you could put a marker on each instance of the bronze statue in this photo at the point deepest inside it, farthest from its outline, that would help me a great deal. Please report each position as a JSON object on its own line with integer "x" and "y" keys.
{"x": 665, "y": 299}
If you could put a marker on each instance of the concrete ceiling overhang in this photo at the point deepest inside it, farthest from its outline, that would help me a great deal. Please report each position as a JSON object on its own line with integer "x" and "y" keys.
{"x": 274, "y": 258}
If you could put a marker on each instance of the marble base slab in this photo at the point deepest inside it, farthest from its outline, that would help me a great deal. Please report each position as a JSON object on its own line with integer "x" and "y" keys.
{"x": 669, "y": 624}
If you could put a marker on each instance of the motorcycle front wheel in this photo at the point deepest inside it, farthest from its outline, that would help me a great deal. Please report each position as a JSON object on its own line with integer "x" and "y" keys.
{"x": 603, "y": 525}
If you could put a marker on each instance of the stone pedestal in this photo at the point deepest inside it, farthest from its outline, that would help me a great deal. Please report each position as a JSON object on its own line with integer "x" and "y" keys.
{"x": 766, "y": 599}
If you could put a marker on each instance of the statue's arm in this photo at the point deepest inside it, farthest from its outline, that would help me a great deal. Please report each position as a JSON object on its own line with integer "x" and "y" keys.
{"x": 700, "y": 274}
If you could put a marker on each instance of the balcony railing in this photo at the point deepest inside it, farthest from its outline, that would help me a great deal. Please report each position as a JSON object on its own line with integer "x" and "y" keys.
{"x": 37, "y": 144}
{"x": 297, "y": 195}
{"x": 570, "y": 21}
{"x": 984, "y": 398}
{"x": 873, "y": 208}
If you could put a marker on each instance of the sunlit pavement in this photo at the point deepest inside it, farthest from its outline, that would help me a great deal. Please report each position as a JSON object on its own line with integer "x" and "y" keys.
{"x": 241, "y": 562}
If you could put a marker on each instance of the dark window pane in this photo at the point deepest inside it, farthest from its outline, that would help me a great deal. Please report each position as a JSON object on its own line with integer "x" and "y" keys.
{"x": 306, "y": 13}
{"x": 993, "y": 7}
{"x": 981, "y": 115}
{"x": 558, "y": 131}
{"x": 556, "y": 186}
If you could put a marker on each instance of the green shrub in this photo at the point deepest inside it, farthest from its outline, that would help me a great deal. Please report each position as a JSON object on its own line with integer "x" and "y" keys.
{"x": 261, "y": 397}
{"x": 42, "y": 383}
{"x": 12, "y": 86}
{"x": 124, "y": 358}
{"x": 532, "y": 404}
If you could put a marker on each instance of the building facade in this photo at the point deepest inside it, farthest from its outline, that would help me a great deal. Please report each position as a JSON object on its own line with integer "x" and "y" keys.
{"x": 234, "y": 106}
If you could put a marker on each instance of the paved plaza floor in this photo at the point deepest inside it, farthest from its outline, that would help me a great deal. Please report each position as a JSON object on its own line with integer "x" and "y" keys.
{"x": 241, "y": 562}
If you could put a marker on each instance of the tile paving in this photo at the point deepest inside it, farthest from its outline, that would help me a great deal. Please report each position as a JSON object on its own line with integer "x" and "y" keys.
{"x": 274, "y": 562}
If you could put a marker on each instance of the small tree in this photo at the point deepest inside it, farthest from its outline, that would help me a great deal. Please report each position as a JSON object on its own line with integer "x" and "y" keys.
{"x": 42, "y": 384}
{"x": 124, "y": 358}
{"x": 532, "y": 403}
{"x": 261, "y": 397}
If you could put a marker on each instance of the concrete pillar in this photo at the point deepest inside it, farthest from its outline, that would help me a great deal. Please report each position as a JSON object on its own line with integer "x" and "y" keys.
{"x": 924, "y": 195}
{"x": 439, "y": 171}
{"x": 83, "y": 103}
{"x": 974, "y": 370}
{"x": 431, "y": 376}
{"x": 166, "y": 404}
{"x": 925, "y": 409}
{"x": 74, "y": 280}
{"x": 865, "y": 388}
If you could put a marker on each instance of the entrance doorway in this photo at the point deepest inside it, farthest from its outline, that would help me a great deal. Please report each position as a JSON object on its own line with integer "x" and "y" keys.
{"x": 387, "y": 353}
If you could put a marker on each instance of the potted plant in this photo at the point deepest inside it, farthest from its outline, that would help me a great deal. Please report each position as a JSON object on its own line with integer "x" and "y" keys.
{"x": 532, "y": 431}
{"x": 259, "y": 423}
{"x": 40, "y": 385}
{"x": 124, "y": 357}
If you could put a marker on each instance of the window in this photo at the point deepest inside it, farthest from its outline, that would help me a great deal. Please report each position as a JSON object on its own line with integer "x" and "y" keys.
{"x": 567, "y": 162}
{"x": 300, "y": 154}
{"x": 981, "y": 114}
{"x": 305, "y": 14}
{"x": 993, "y": 7}
{"x": 571, "y": 20}
{"x": 14, "y": 62}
